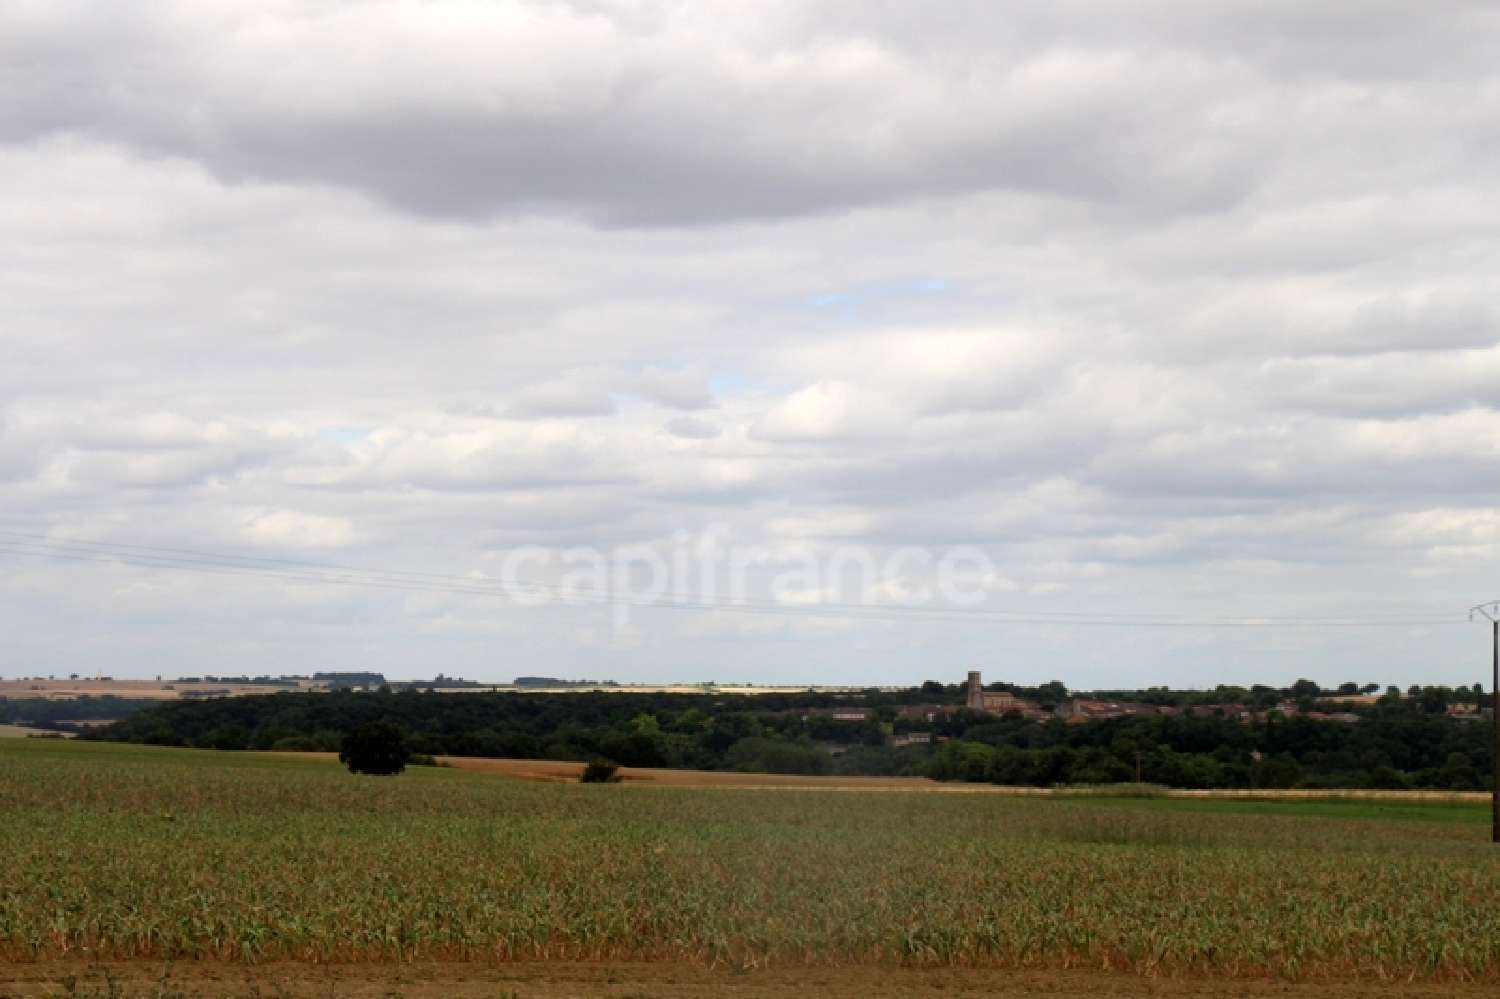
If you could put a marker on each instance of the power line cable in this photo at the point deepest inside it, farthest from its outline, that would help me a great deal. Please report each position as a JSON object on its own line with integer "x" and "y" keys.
{"x": 157, "y": 557}
{"x": 380, "y": 578}
{"x": 332, "y": 572}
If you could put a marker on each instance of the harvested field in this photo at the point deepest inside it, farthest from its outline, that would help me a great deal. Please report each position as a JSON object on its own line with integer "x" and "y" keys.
{"x": 67, "y": 690}
{"x": 21, "y": 732}
{"x": 566, "y": 771}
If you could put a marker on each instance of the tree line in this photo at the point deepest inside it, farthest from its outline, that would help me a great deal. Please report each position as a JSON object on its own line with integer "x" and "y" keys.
{"x": 1399, "y": 741}
{"x": 41, "y": 712}
{"x": 1390, "y": 747}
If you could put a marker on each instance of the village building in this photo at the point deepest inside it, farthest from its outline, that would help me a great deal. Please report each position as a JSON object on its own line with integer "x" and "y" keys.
{"x": 926, "y": 712}
{"x": 1238, "y": 712}
{"x": 997, "y": 702}
{"x": 843, "y": 714}
{"x": 1078, "y": 710}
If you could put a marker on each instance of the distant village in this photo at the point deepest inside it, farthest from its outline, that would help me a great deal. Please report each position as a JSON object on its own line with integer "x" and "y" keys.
{"x": 1073, "y": 710}
{"x": 1227, "y": 736}
{"x": 1081, "y": 710}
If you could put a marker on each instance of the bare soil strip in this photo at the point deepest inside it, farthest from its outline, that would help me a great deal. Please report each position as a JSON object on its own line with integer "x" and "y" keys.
{"x": 565, "y": 980}
{"x": 564, "y": 771}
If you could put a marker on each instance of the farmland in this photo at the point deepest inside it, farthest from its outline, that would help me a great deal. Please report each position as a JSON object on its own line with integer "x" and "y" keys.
{"x": 142, "y": 690}
{"x": 1330, "y": 801}
{"x": 21, "y": 732}
{"x": 133, "y": 854}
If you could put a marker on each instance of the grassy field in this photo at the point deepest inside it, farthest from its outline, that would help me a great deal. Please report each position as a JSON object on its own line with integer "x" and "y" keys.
{"x": 132, "y": 853}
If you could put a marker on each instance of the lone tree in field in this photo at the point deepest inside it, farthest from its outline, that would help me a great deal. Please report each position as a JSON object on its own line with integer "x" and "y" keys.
{"x": 377, "y": 747}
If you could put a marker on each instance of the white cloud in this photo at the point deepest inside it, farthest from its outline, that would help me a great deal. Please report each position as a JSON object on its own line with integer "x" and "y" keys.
{"x": 295, "y": 530}
{"x": 827, "y": 411}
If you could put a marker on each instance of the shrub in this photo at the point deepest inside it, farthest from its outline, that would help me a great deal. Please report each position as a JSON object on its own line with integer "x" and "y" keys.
{"x": 228, "y": 737}
{"x": 1388, "y": 778}
{"x": 1276, "y": 771}
{"x": 774, "y": 756}
{"x": 600, "y": 772}
{"x": 377, "y": 747}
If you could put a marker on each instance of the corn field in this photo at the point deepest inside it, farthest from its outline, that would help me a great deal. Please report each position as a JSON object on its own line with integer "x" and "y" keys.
{"x": 126, "y": 852}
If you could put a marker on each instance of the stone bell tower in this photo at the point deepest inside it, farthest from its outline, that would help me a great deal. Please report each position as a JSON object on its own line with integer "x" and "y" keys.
{"x": 976, "y": 691}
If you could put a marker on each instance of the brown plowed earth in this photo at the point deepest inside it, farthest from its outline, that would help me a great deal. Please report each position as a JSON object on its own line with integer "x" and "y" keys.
{"x": 565, "y": 980}
{"x": 566, "y": 771}
{"x": 562, "y": 770}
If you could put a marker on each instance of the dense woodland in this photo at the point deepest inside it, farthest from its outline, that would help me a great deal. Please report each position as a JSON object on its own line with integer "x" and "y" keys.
{"x": 1403, "y": 740}
{"x": 46, "y": 713}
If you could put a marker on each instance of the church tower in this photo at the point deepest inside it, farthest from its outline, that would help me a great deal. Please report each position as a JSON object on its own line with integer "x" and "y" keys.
{"x": 976, "y": 691}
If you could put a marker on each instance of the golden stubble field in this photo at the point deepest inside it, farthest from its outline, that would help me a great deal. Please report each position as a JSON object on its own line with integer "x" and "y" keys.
{"x": 22, "y": 732}
{"x": 155, "y": 690}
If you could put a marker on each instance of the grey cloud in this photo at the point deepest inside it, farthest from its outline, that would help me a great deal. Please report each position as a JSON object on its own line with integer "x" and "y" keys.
{"x": 646, "y": 124}
{"x": 561, "y": 398}
{"x": 156, "y": 469}
{"x": 484, "y": 463}
{"x": 1436, "y": 324}
{"x": 692, "y": 428}
{"x": 1384, "y": 385}
{"x": 1313, "y": 462}
{"x": 675, "y": 389}
{"x": 18, "y": 457}
{"x": 591, "y": 392}
{"x": 898, "y": 477}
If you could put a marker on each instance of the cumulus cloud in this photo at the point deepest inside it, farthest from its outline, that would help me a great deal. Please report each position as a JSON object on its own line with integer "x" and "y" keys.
{"x": 294, "y": 529}
{"x": 1162, "y": 306}
{"x": 827, "y": 411}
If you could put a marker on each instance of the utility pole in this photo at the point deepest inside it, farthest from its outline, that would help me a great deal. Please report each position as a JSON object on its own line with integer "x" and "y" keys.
{"x": 1491, "y": 613}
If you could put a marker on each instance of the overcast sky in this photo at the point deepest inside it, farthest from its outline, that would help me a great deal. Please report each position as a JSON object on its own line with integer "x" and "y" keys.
{"x": 1168, "y": 308}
